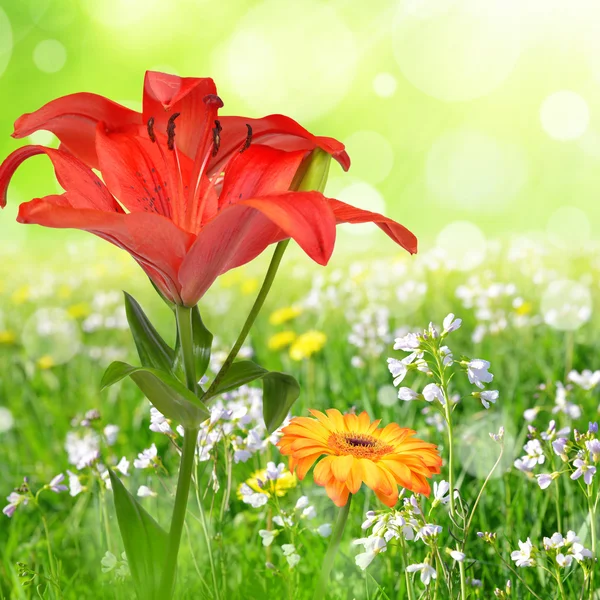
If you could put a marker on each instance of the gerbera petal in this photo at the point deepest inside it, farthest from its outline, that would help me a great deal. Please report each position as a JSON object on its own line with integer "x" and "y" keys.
{"x": 388, "y": 499}
{"x": 351, "y": 421}
{"x": 73, "y": 119}
{"x": 400, "y": 472}
{"x": 323, "y": 473}
{"x": 242, "y": 231}
{"x": 336, "y": 418}
{"x": 341, "y": 467}
{"x": 327, "y": 423}
{"x": 344, "y": 213}
{"x": 304, "y": 464}
{"x": 374, "y": 477}
{"x": 354, "y": 480}
{"x": 364, "y": 422}
{"x": 338, "y": 492}
{"x": 276, "y": 131}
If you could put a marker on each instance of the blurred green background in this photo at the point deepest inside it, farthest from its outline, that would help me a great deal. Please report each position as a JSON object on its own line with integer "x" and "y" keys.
{"x": 453, "y": 110}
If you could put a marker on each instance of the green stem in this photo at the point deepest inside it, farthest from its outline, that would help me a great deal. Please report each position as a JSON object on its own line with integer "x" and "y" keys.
{"x": 409, "y": 588}
{"x": 181, "y": 498}
{"x": 184, "y": 327}
{"x": 336, "y": 538}
{"x": 258, "y": 303}
{"x": 560, "y": 584}
{"x": 592, "y": 513}
{"x": 558, "y": 506}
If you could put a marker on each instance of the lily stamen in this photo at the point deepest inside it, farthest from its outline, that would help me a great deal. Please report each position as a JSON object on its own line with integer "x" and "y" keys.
{"x": 171, "y": 131}
{"x": 150, "y": 127}
{"x": 216, "y": 137}
{"x": 248, "y": 140}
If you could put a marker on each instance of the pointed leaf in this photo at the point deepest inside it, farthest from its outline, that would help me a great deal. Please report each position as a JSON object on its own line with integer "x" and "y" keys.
{"x": 144, "y": 539}
{"x": 165, "y": 392}
{"x": 280, "y": 390}
{"x": 153, "y": 350}
{"x": 203, "y": 340}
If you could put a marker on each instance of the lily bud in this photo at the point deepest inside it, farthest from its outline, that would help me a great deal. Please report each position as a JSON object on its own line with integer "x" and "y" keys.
{"x": 313, "y": 172}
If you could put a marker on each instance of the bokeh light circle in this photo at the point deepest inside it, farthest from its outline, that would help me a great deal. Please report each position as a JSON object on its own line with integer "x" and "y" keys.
{"x": 42, "y": 138}
{"x": 52, "y": 15}
{"x": 569, "y": 228}
{"x": 566, "y": 305}
{"x": 469, "y": 169}
{"x": 303, "y": 69}
{"x": 463, "y": 244}
{"x": 122, "y": 13}
{"x": 6, "y": 41}
{"x": 365, "y": 196}
{"x": 565, "y": 115}
{"x": 51, "y": 333}
{"x": 387, "y": 395}
{"x": 384, "y": 85}
{"x": 50, "y": 56}
{"x": 371, "y": 154}
{"x": 456, "y": 51}
{"x": 6, "y": 420}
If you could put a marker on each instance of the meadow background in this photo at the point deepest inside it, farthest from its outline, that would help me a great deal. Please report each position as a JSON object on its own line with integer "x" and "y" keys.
{"x": 474, "y": 124}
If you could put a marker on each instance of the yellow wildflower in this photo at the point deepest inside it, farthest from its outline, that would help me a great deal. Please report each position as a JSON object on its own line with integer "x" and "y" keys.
{"x": 307, "y": 344}
{"x": 7, "y": 337}
{"x": 249, "y": 286}
{"x": 79, "y": 311}
{"x": 45, "y": 362}
{"x": 278, "y": 487}
{"x": 282, "y": 315}
{"x": 64, "y": 292}
{"x": 524, "y": 308}
{"x": 281, "y": 340}
{"x": 21, "y": 295}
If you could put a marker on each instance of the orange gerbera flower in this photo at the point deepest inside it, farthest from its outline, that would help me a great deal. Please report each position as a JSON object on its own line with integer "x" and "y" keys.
{"x": 357, "y": 450}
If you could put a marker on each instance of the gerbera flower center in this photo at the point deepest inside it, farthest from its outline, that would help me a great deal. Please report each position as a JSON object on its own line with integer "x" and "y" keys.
{"x": 361, "y": 445}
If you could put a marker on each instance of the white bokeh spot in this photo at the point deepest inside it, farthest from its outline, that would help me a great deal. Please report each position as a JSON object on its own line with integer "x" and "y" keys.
{"x": 385, "y": 85}
{"x": 50, "y": 56}
{"x": 566, "y": 305}
{"x": 306, "y": 75}
{"x": 123, "y": 13}
{"x": 569, "y": 229}
{"x": 6, "y": 41}
{"x": 565, "y": 115}
{"x": 463, "y": 245}
{"x": 468, "y": 169}
{"x": 371, "y": 154}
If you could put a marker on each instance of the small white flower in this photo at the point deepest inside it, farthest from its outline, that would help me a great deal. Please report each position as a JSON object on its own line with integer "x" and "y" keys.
{"x": 108, "y": 562}
{"x": 545, "y": 479}
{"x": 489, "y": 396}
{"x": 433, "y": 392}
{"x": 593, "y": 447}
{"x": 440, "y": 492}
{"x": 111, "y": 432}
{"x": 274, "y": 472}
{"x": 457, "y": 556}
{"x": 267, "y": 536}
{"x": 451, "y": 324}
{"x": 123, "y": 466}
{"x": 145, "y": 492}
{"x": 524, "y": 556}
{"x": 324, "y": 530}
{"x": 373, "y": 545}
{"x": 563, "y": 560}
{"x": 559, "y": 446}
{"x": 405, "y": 393}
{"x": 586, "y": 379}
{"x": 288, "y": 549}
{"x": 75, "y": 487}
{"x": 293, "y": 560}
{"x": 56, "y": 485}
{"x": 554, "y": 542}
{"x": 398, "y": 370}
{"x": 309, "y": 512}
{"x": 146, "y": 458}
{"x": 530, "y": 414}
{"x": 477, "y": 371}
{"x": 582, "y": 468}
{"x": 407, "y": 343}
{"x": 14, "y": 501}
{"x": 535, "y": 453}
{"x": 427, "y": 572}
{"x": 302, "y": 503}
{"x": 498, "y": 437}
{"x": 579, "y": 552}
{"x": 254, "y": 499}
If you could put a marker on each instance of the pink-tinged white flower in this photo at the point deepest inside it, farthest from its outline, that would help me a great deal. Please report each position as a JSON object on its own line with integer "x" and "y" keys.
{"x": 111, "y": 433}
{"x": 398, "y": 369}
{"x": 551, "y": 433}
{"x": 83, "y": 449}
{"x": 254, "y": 499}
{"x": 523, "y": 465}
{"x": 324, "y": 530}
{"x": 586, "y": 380}
{"x": 429, "y": 530}
{"x": 564, "y": 405}
{"x": 14, "y": 501}
{"x": 534, "y": 453}
{"x": 554, "y": 542}
{"x": 451, "y": 324}
{"x": 433, "y": 392}
{"x": 145, "y": 492}
{"x": 370, "y": 520}
{"x": 531, "y": 413}
{"x": 572, "y": 538}
{"x": 498, "y": 437}
{"x": 582, "y": 468}
{"x": 524, "y": 557}
{"x": 477, "y": 371}
{"x": 302, "y": 503}
{"x": 545, "y": 479}
{"x": 564, "y": 560}
{"x": 275, "y": 472}
{"x": 407, "y": 343}
{"x": 489, "y": 396}
{"x": 579, "y": 552}
{"x": 372, "y": 545}
{"x": 146, "y": 458}
{"x": 593, "y": 447}
{"x": 427, "y": 572}
{"x": 57, "y": 485}
{"x": 559, "y": 446}
{"x": 159, "y": 423}
{"x": 75, "y": 487}
{"x": 406, "y": 394}
{"x": 267, "y": 536}
{"x": 292, "y": 557}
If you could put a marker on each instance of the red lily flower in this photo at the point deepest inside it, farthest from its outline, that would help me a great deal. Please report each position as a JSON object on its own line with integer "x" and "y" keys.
{"x": 185, "y": 213}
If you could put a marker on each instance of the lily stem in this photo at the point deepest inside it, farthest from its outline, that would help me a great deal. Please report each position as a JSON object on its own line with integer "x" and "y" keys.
{"x": 190, "y": 440}
{"x": 334, "y": 543}
{"x": 258, "y": 304}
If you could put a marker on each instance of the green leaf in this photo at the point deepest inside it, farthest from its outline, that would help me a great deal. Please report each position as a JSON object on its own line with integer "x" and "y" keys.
{"x": 280, "y": 390}
{"x": 144, "y": 539}
{"x": 166, "y": 392}
{"x": 153, "y": 350}
{"x": 203, "y": 340}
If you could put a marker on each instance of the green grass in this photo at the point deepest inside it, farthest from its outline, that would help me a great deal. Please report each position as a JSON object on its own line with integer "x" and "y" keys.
{"x": 44, "y": 402}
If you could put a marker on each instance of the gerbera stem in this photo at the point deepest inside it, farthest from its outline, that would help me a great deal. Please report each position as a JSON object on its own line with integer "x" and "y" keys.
{"x": 190, "y": 440}
{"x": 334, "y": 543}
{"x": 258, "y": 304}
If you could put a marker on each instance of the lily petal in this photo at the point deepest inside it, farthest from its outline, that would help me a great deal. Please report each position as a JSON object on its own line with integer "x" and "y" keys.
{"x": 277, "y": 131}
{"x": 242, "y": 231}
{"x": 344, "y": 213}
{"x": 73, "y": 120}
